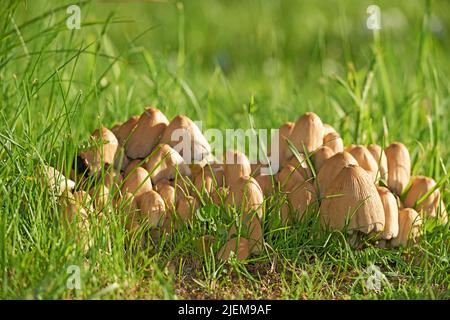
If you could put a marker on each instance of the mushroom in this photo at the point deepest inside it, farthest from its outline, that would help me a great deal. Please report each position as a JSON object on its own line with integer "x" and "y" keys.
{"x": 128, "y": 207}
{"x": 333, "y": 141}
{"x": 327, "y": 128}
{"x": 132, "y": 165}
{"x": 390, "y": 213}
{"x": 331, "y": 168}
{"x": 352, "y": 197}
{"x": 246, "y": 194}
{"x": 236, "y": 165}
{"x": 284, "y": 132}
{"x": 101, "y": 152}
{"x": 320, "y": 155}
{"x": 145, "y": 136}
{"x": 121, "y": 160}
{"x": 364, "y": 159}
{"x": 300, "y": 192}
{"x": 165, "y": 163}
{"x": 76, "y": 209}
{"x": 209, "y": 179}
{"x": 137, "y": 182}
{"x": 409, "y": 223}
{"x": 152, "y": 208}
{"x": 56, "y": 181}
{"x": 123, "y": 131}
{"x": 380, "y": 157}
{"x": 186, "y": 205}
{"x": 185, "y": 137}
{"x": 267, "y": 183}
{"x": 307, "y": 133}
{"x": 421, "y": 186}
{"x": 167, "y": 193}
{"x": 239, "y": 245}
{"x": 301, "y": 164}
{"x": 100, "y": 194}
{"x": 399, "y": 167}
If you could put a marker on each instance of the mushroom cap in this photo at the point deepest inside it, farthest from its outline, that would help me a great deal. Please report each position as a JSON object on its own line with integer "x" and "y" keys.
{"x": 196, "y": 148}
{"x": 284, "y": 133}
{"x": 123, "y": 131}
{"x": 102, "y": 151}
{"x": 240, "y": 246}
{"x": 166, "y": 163}
{"x": 235, "y": 165}
{"x": 127, "y": 206}
{"x": 300, "y": 192}
{"x": 56, "y": 181}
{"x": 420, "y": 186}
{"x": 409, "y": 223}
{"x": 267, "y": 183}
{"x": 152, "y": 208}
{"x": 145, "y": 136}
{"x": 121, "y": 160}
{"x": 320, "y": 155}
{"x": 390, "y": 213}
{"x": 100, "y": 193}
{"x": 308, "y": 132}
{"x": 333, "y": 141}
{"x": 331, "y": 168}
{"x": 353, "y": 197}
{"x": 399, "y": 167}
{"x": 167, "y": 193}
{"x": 364, "y": 159}
{"x": 380, "y": 157}
{"x": 327, "y": 128}
{"x": 209, "y": 179}
{"x": 246, "y": 194}
{"x": 186, "y": 206}
{"x": 137, "y": 182}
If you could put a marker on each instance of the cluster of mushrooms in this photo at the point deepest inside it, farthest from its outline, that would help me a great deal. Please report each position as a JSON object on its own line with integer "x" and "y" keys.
{"x": 135, "y": 169}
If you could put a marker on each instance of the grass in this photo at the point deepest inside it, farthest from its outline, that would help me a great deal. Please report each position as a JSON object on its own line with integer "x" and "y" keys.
{"x": 211, "y": 61}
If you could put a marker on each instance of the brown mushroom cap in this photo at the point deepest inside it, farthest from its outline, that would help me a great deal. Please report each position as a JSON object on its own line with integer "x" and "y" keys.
{"x": 420, "y": 186}
{"x": 121, "y": 160}
{"x": 300, "y": 164}
{"x": 300, "y": 192}
{"x": 246, "y": 194}
{"x": 380, "y": 157}
{"x": 100, "y": 194}
{"x": 123, "y": 131}
{"x": 236, "y": 165}
{"x": 180, "y": 128}
{"x": 166, "y": 163}
{"x": 145, "y": 136}
{"x": 399, "y": 167}
{"x": 331, "y": 168}
{"x": 320, "y": 156}
{"x": 102, "y": 151}
{"x": 132, "y": 165}
{"x": 409, "y": 222}
{"x": 354, "y": 198}
{"x": 327, "y": 128}
{"x": 267, "y": 183}
{"x": 152, "y": 208}
{"x": 209, "y": 179}
{"x": 137, "y": 182}
{"x": 56, "y": 181}
{"x": 307, "y": 132}
{"x": 240, "y": 246}
{"x": 186, "y": 206}
{"x": 364, "y": 159}
{"x": 390, "y": 213}
{"x": 284, "y": 133}
{"x": 333, "y": 141}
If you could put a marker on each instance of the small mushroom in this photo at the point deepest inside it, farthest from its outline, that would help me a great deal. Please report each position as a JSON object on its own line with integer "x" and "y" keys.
{"x": 399, "y": 167}
{"x": 320, "y": 156}
{"x": 390, "y": 213}
{"x": 331, "y": 168}
{"x": 166, "y": 163}
{"x": 167, "y": 193}
{"x": 409, "y": 222}
{"x": 56, "y": 181}
{"x": 236, "y": 165}
{"x": 352, "y": 197}
{"x": 145, "y": 136}
{"x": 124, "y": 130}
{"x": 209, "y": 179}
{"x": 327, "y": 128}
{"x": 246, "y": 194}
{"x": 137, "y": 182}
{"x": 185, "y": 137}
{"x": 152, "y": 208}
{"x": 301, "y": 164}
{"x": 132, "y": 165}
{"x": 186, "y": 206}
{"x": 300, "y": 193}
{"x": 121, "y": 160}
{"x": 420, "y": 186}
{"x": 267, "y": 183}
{"x": 380, "y": 157}
{"x": 333, "y": 141}
{"x": 307, "y": 133}
{"x": 284, "y": 133}
{"x": 101, "y": 152}
{"x": 239, "y": 245}
{"x": 364, "y": 159}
